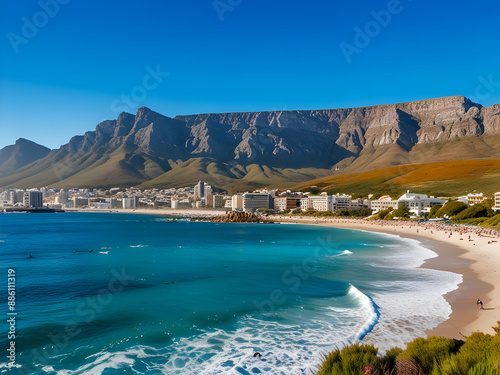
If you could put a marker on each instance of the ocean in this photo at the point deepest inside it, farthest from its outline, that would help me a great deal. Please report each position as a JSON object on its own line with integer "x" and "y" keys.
{"x": 109, "y": 293}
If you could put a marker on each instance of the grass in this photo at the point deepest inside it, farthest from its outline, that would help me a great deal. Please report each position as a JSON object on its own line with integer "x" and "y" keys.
{"x": 450, "y": 178}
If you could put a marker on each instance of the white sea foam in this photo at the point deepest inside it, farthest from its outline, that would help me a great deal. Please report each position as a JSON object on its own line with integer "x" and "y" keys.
{"x": 410, "y": 307}
{"x": 396, "y": 312}
{"x": 291, "y": 345}
{"x": 345, "y": 252}
{"x": 138, "y": 246}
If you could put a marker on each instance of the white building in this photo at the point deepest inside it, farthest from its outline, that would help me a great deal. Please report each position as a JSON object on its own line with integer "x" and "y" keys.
{"x": 419, "y": 203}
{"x": 305, "y": 203}
{"x": 319, "y": 203}
{"x": 472, "y": 198}
{"x": 130, "y": 202}
{"x": 383, "y": 203}
{"x": 174, "y": 204}
{"x": 496, "y": 205}
{"x": 286, "y": 203}
{"x": 237, "y": 202}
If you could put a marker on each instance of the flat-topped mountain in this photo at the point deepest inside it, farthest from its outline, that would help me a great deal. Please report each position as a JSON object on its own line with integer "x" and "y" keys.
{"x": 256, "y": 149}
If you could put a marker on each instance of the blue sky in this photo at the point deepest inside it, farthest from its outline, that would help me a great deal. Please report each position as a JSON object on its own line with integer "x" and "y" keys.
{"x": 66, "y": 65}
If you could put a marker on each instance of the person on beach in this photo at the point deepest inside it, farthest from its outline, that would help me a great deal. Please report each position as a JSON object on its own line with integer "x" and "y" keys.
{"x": 479, "y": 304}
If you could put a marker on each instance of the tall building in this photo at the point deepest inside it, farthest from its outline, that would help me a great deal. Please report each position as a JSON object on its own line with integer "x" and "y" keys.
{"x": 80, "y": 202}
{"x": 13, "y": 197}
{"x": 237, "y": 202}
{"x": 130, "y": 202}
{"x": 33, "y": 199}
{"x": 218, "y": 201}
{"x": 63, "y": 196}
{"x": 254, "y": 201}
{"x": 199, "y": 190}
{"x": 215, "y": 201}
{"x": 496, "y": 206}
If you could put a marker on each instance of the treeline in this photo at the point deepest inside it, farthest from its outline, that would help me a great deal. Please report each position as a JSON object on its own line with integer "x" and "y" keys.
{"x": 480, "y": 214}
{"x": 478, "y": 354}
{"x": 358, "y": 213}
{"x": 457, "y": 212}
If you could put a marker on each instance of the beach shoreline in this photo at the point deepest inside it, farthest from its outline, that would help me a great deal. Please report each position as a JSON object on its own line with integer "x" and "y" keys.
{"x": 472, "y": 257}
{"x": 469, "y": 254}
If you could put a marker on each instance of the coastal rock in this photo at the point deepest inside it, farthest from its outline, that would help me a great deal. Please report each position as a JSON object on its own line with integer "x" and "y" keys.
{"x": 240, "y": 217}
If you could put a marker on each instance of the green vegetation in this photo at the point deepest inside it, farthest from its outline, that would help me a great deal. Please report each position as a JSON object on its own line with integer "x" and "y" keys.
{"x": 402, "y": 212}
{"x": 356, "y": 213}
{"x": 492, "y": 223}
{"x": 434, "y": 210}
{"x": 479, "y": 210}
{"x": 361, "y": 212}
{"x": 478, "y": 354}
{"x": 352, "y": 359}
{"x": 449, "y": 209}
{"x": 383, "y": 215}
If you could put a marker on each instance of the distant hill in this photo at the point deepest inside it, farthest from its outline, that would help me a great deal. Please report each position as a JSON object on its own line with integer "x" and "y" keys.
{"x": 22, "y": 153}
{"x": 450, "y": 178}
{"x": 239, "y": 151}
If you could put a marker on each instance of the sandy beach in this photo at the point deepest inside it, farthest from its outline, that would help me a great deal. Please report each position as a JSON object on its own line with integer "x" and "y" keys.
{"x": 473, "y": 253}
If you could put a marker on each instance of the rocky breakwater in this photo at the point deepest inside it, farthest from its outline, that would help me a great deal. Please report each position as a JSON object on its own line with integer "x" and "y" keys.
{"x": 240, "y": 217}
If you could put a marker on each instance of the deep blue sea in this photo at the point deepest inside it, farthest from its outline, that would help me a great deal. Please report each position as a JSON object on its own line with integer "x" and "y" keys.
{"x": 107, "y": 293}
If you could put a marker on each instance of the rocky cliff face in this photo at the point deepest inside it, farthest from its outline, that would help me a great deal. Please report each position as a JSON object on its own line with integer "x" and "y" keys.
{"x": 327, "y": 136}
{"x": 133, "y": 149}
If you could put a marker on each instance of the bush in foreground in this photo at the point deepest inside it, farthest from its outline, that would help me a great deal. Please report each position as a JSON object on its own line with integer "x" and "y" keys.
{"x": 478, "y": 354}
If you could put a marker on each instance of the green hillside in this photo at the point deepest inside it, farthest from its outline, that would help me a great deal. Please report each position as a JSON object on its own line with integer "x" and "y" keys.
{"x": 449, "y": 178}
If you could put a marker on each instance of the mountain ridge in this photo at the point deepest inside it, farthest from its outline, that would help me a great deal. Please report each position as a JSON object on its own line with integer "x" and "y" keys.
{"x": 239, "y": 150}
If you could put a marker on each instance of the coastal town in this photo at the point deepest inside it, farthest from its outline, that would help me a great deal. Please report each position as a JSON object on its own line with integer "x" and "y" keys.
{"x": 202, "y": 196}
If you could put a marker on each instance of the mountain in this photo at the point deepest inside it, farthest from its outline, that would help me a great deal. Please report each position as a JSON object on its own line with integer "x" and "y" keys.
{"x": 22, "y": 153}
{"x": 238, "y": 151}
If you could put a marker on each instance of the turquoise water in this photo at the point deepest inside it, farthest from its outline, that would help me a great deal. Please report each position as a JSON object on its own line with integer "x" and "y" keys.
{"x": 129, "y": 294}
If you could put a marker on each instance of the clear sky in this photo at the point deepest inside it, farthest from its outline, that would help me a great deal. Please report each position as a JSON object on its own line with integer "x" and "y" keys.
{"x": 66, "y": 65}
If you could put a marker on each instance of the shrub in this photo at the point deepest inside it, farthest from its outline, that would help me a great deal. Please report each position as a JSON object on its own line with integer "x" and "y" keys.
{"x": 351, "y": 360}
{"x": 490, "y": 366}
{"x": 324, "y": 213}
{"x": 402, "y": 212}
{"x": 313, "y": 190}
{"x": 492, "y": 222}
{"x": 360, "y": 212}
{"x": 450, "y": 208}
{"x": 434, "y": 210}
{"x": 479, "y": 354}
{"x": 381, "y": 215}
{"x": 427, "y": 351}
{"x": 497, "y": 329}
{"x": 477, "y": 210}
